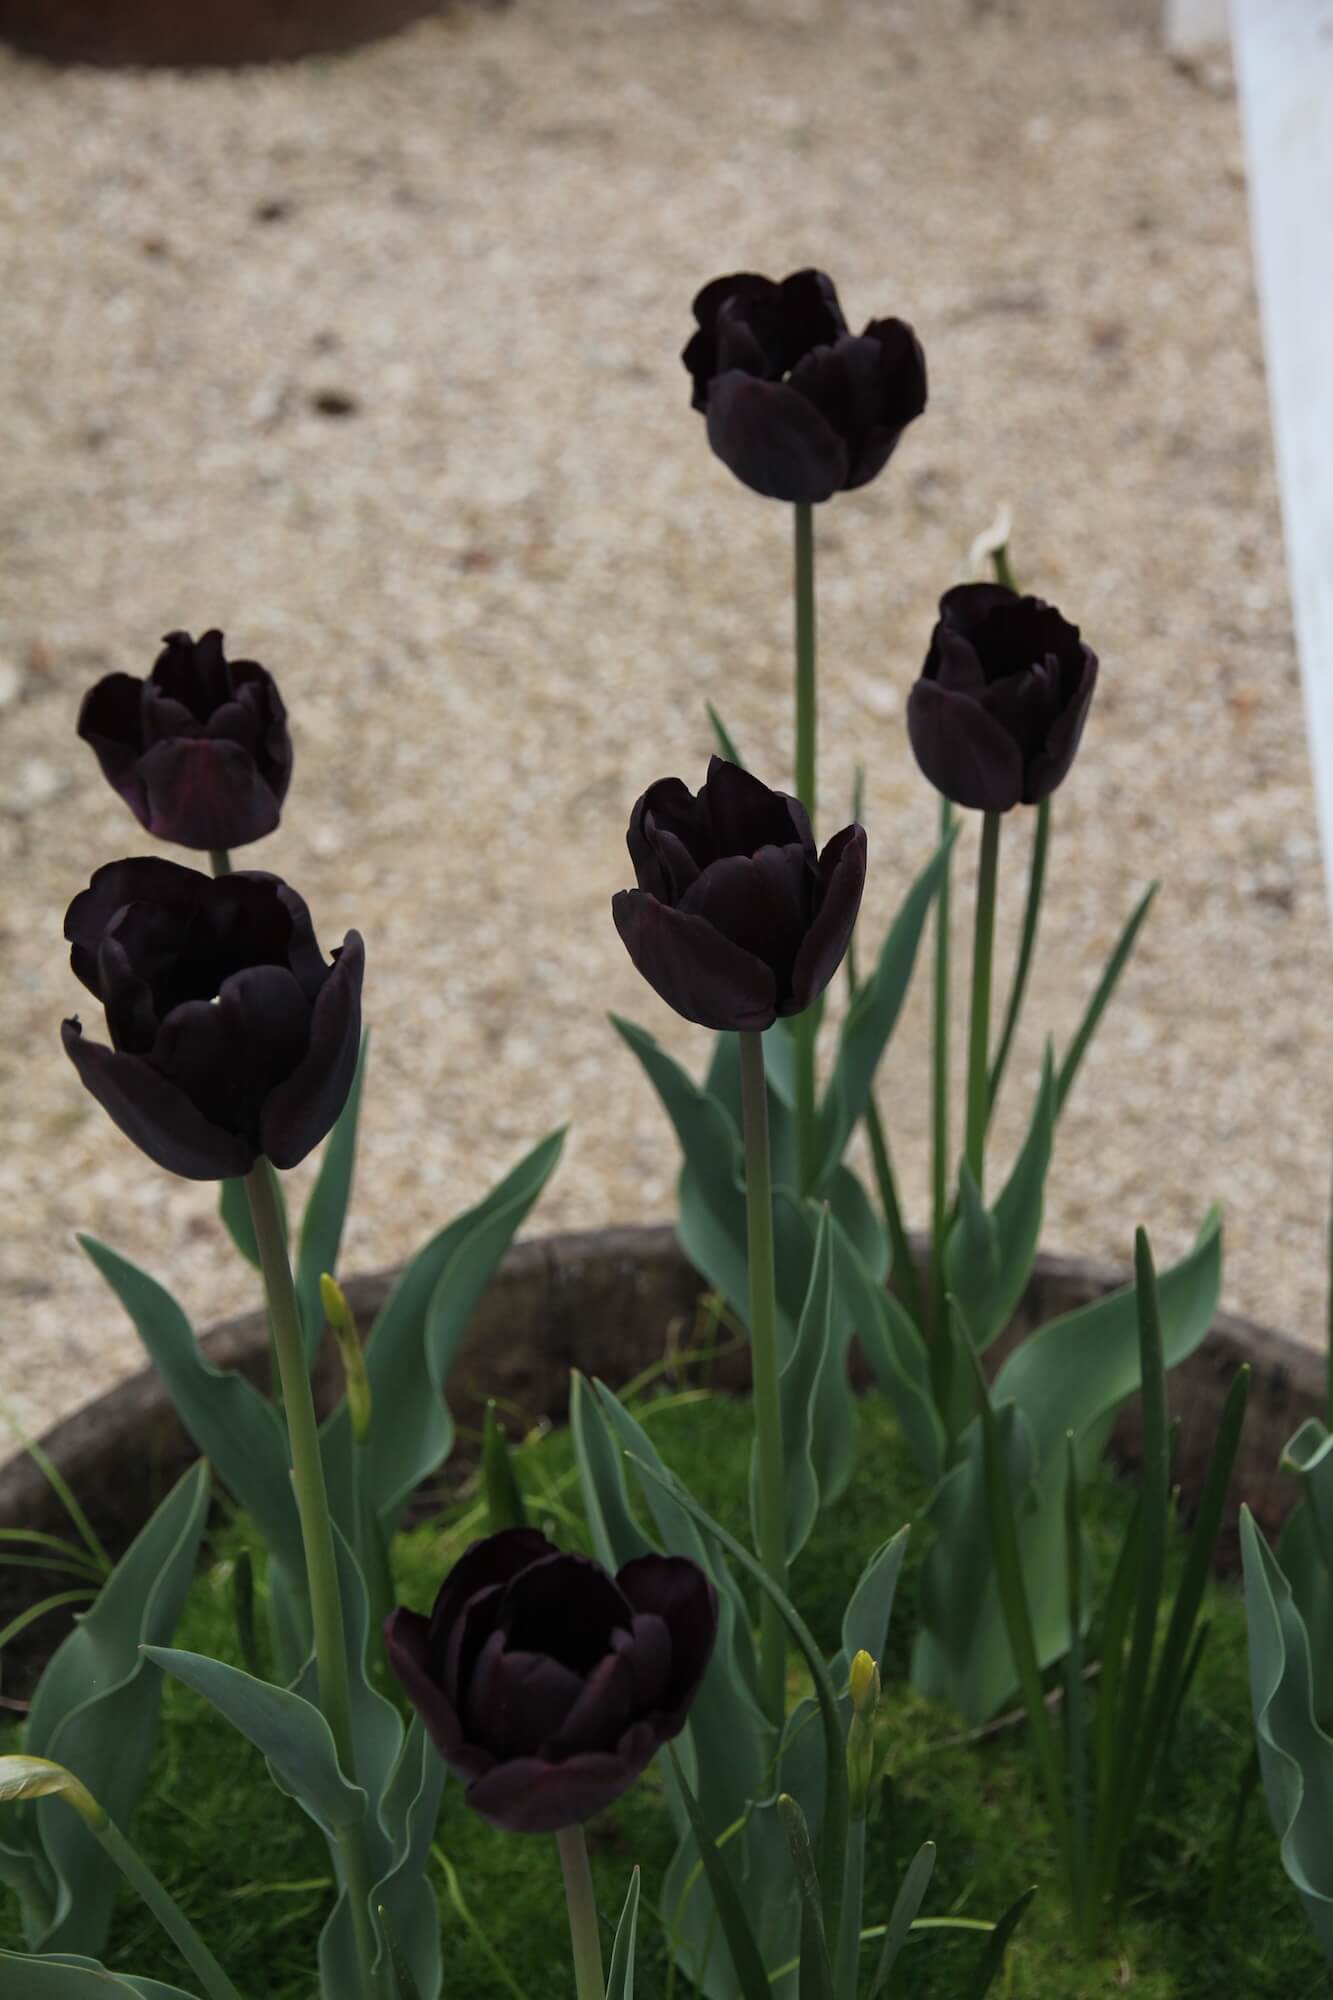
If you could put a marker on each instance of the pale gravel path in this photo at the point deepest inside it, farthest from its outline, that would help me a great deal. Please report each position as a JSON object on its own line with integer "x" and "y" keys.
{"x": 498, "y": 594}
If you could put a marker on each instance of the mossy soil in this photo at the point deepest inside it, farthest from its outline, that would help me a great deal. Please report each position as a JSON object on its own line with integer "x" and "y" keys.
{"x": 253, "y": 1874}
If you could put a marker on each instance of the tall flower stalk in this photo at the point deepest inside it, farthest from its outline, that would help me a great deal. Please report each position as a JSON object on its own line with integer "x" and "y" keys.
{"x": 764, "y": 1366}
{"x": 312, "y": 1502}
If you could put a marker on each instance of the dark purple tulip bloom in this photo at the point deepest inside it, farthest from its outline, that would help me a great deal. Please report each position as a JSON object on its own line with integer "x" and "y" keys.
{"x": 798, "y": 407}
{"x": 736, "y": 918}
{"x": 230, "y": 1035}
{"x": 997, "y": 714}
{"x": 547, "y": 1685}
{"x": 199, "y": 751}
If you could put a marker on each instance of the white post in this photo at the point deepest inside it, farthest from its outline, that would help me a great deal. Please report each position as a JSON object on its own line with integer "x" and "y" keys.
{"x": 1284, "y": 56}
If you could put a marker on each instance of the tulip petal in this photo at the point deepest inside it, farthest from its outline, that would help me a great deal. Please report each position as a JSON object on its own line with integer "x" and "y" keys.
{"x": 158, "y": 1117}
{"x": 205, "y": 792}
{"x": 967, "y": 606}
{"x": 567, "y": 1606}
{"x": 679, "y": 1593}
{"x": 842, "y": 876}
{"x": 531, "y": 1795}
{"x": 744, "y": 815}
{"x": 145, "y": 879}
{"x": 1051, "y": 764}
{"x": 299, "y": 1112}
{"x": 600, "y": 1714}
{"x": 406, "y": 1643}
{"x": 775, "y": 442}
{"x": 109, "y": 722}
{"x": 492, "y": 1560}
{"x": 693, "y": 967}
{"x": 517, "y": 1700}
{"x": 962, "y": 749}
{"x": 762, "y": 902}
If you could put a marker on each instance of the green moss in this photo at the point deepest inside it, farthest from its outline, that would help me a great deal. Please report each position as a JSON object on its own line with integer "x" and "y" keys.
{"x": 253, "y": 1873}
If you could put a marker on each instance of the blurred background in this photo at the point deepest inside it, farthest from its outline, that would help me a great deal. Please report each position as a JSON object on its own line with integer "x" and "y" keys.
{"x": 371, "y": 359}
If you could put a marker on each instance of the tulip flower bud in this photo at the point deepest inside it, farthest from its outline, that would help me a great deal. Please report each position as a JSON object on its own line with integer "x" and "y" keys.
{"x": 24, "y": 1777}
{"x": 199, "y": 751}
{"x": 231, "y": 1036}
{"x": 864, "y": 1688}
{"x": 798, "y": 407}
{"x": 356, "y": 1382}
{"x": 548, "y": 1685}
{"x": 737, "y": 918}
{"x": 997, "y": 713}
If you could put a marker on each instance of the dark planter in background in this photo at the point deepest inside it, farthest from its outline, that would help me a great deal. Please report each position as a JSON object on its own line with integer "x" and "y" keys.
{"x": 612, "y": 1302}
{"x": 188, "y": 34}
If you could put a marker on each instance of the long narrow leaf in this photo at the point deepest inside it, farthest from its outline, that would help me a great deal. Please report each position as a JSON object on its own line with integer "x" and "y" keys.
{"x": 993, "y": 1956}
{"x": 1194, "y": 1578}
{"x": 873, "y": 1015}
{"x": 1155, "y": 1489}
{"x": 723, "y": 737}
{"x": 816, "y": 1974}
{"x": 620, "y": 1978}
{"x": 903, "y": 1915}
{"x": 1013, "y": 1597}
{"x": 1096, "y": 1007}
{"x": 745, "y": 1960}
{"x": 326, "y": 1210}
{"x": 833, "y": 1832}
{"x": 96, "y": 1707}
{"x": 1075, "y": 1719}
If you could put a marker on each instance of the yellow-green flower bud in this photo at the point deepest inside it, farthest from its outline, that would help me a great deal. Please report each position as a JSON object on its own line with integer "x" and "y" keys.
{"x": 355, "y": 1380}
{"x": 23, "y": 1777}
{"x": 863, "y": 1683}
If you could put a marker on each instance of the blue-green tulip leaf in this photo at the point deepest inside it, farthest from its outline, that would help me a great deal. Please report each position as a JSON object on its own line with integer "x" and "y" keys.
{"x": 97, "y": 1706}
{"x": 290, "y": 1733}
{"x": 990, "y": 1254}
{"x": 797, "y": 1387}
{"x": 229, "y": 1421}
{"x": 895, "y": 1350}
{"x": 873, "y": 1014}
{"x": 1295, "y": 1754}
{"x": 326, "y": 1210}
{"x": 1078, "y": 1369}
{"x": 620, "y": 1977}
{"x": 73, "y": 1976}
{"x": 415, "y": 1338}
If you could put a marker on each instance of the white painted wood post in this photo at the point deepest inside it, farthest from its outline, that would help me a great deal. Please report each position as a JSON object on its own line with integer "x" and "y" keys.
{"x": 1191, "y": 27}
{"x": 1284, "y": 57}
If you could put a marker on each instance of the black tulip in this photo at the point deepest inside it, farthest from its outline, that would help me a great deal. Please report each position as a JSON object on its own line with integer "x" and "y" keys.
{"x": 546, "y": 1684}
{"x": 798, "y": 407}
{"x": 199, "y": 751}
{"x": 231, "y": 1036}
{"x": 736, "y": 918}
{"x": 996, "y": 717}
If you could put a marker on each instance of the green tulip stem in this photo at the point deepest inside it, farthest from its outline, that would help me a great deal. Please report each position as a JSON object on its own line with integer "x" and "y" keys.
{"x": 312, "y": 1503}
{"x": 589, "y": 1981}
{"x": 771, "y": 1497}
{"x": 939, "y": 1121}
{"x": 805, "y": 657}
{"x": 167, "y": 1911}
{"x": 983, "y": 951}
{"x": 1027, "y": 944}
{"x": 806, "y": 1025}
{"x": 219, "y": 861}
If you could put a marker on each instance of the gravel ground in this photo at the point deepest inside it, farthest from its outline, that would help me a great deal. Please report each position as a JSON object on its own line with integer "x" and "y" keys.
{"x": 373, "y": 362}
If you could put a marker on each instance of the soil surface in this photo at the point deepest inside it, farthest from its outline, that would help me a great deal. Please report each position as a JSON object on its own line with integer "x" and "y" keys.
{"x": 373, "y": 363}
